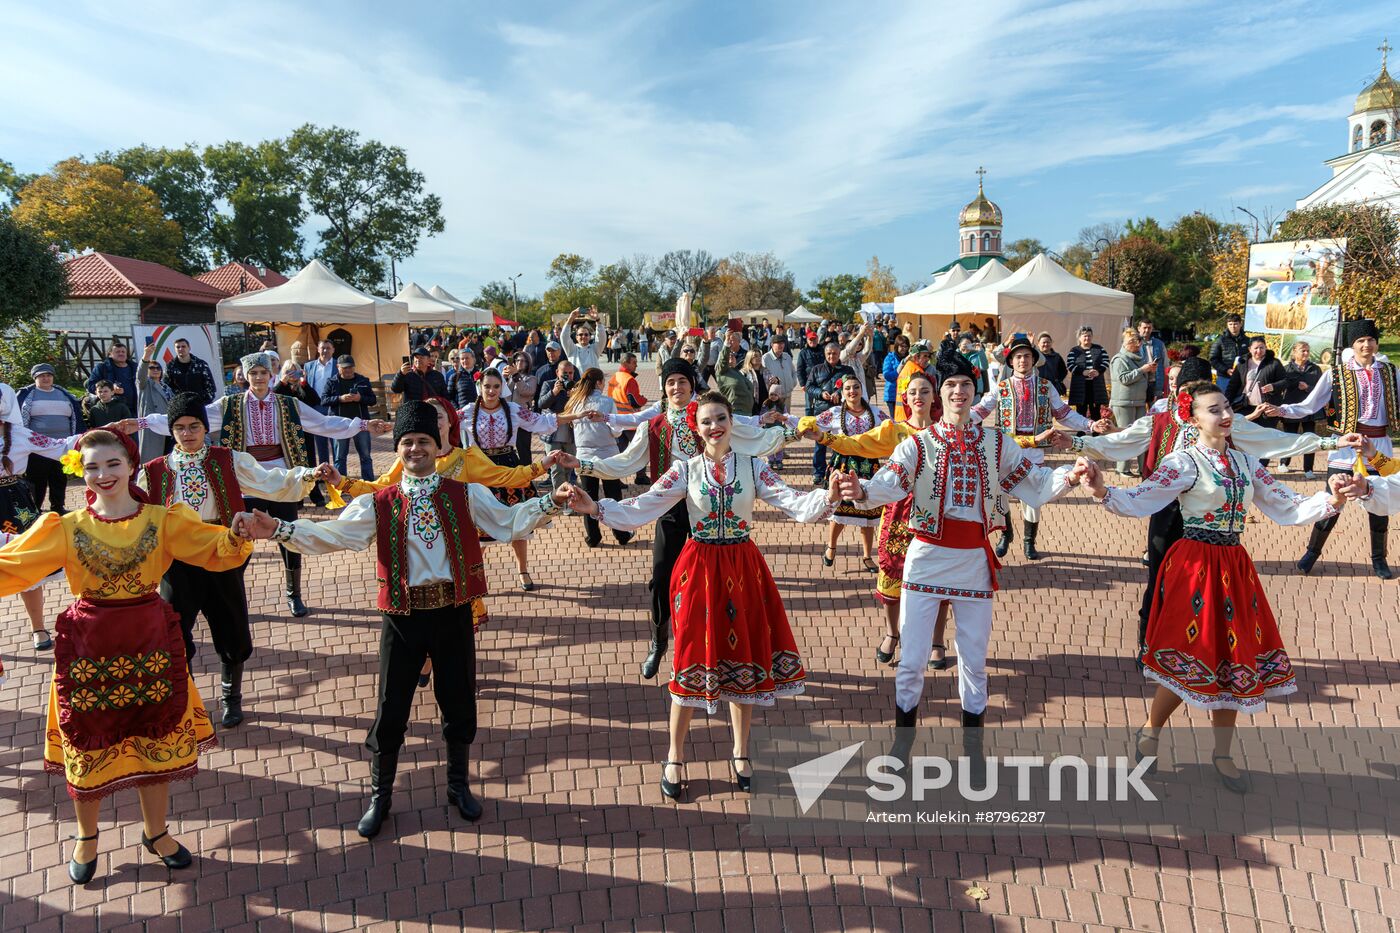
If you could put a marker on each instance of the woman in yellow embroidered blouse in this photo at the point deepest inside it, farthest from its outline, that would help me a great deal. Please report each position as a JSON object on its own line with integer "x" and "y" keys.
{"x": 123, "y": 710}
{"x": 922, "y": 405}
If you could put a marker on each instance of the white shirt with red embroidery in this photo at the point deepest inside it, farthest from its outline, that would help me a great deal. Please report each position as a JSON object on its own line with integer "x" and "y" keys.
{"x": 24, "y": 442}
{"x": 486, "y": 428}
{"x": 1370, "y": 406}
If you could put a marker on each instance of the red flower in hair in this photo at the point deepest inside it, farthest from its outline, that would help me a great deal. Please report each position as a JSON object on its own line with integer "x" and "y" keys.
{"x": 690, "y": 421}
{"x": 1183, "y": 405}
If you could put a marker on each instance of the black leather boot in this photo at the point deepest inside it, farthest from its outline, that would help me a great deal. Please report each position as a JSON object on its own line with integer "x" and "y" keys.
{"x": 1029, "y": 541}
{"x": 294, "y": 603}
{"x": 972, "y": 733}
{"x": 381, "y": 776}
{"x": 1378, "y": 563}
{"x": 659, "y": 639}
{"x": 1316, "y": 539}
{"x": 459, "y": 794}
{"x": 1004, "y": 542}
{"x": 231, "y": 695}
{"x": 904, "y": 723}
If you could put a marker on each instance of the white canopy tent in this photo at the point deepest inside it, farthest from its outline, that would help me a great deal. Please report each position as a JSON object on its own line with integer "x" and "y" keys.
{"x": 910, "y": 303}
{"x": 423, "y": 308}
{"x": 1042, "y": 296}
{"x": 317, "y": 303}
{"x": 759, "y": 314}
{"x": 931, "y": 313}
{"x": 802, "y": 315}
{"x": 467, "y": 315}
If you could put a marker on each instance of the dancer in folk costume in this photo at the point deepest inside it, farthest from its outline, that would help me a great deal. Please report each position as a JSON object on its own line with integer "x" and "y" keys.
{"x": 733, "y": 641}
{"x": 212, "y": 481}
{"x": 669, "y": 437}
{"x": 123, "y": 710}
{"x": 17, "y": 508}
{"x": 853, "y": 417}
{"x": 1211, "y": 639}
{"x": 1154, "y": 436}
{"x": 921, "y": 402}
{"x": 1362, "y": 396}
{"x": 272, "y": 428}
{"x": 957, "y": 473}
{"x": 427, "y": 530}
{"x": 1028, "y": 408}
{"x": 491, "y": 423}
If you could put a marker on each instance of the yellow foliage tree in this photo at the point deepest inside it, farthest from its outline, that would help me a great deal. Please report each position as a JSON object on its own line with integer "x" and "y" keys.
{"x": 879, "y": 283}
{"x": 1228, "y": 275}
{"x": 80, "y": 205}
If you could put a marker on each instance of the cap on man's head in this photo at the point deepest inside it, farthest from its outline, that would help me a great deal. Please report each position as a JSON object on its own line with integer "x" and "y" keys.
{"x": 811, "y": 335}
{"x": 345, "y": 360}
{"x": 422, "y": 351}
{"x": 554, "y": 345}
{"x": 39, "y": 369}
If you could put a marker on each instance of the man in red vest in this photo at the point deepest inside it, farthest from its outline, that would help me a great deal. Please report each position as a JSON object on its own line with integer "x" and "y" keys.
{"x": 428, "y": 562}
{"x": 212, "y": 481}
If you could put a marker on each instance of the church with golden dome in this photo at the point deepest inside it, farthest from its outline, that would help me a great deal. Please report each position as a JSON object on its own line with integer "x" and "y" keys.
{"x": 979, "y": 231}
{"x": 1368, "y": 170}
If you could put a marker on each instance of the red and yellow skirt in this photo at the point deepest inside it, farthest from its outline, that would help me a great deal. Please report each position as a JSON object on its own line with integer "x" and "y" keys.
{"x": 893, "y": 543}
{"x": 733, "y": 643}
{"x": 123, "y": 709}
{"x": 1211, "y": 637}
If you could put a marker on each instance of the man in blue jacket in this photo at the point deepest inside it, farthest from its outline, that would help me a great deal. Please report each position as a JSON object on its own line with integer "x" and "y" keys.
{"x": 899, "y": 349}
{"x": 118, "y": 370}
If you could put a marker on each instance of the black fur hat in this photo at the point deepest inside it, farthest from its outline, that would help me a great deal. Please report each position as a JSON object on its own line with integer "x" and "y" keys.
{"x": 1353, "y": 331}
{"x": 416, "y": 418}
{"x": 186, "y": 405}
{"x": 1193, "y": 369}
{"x": 676, "y": 366}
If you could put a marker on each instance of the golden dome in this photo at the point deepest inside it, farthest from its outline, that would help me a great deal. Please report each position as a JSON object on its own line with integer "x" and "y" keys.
{"x": 980, "y": 212}
{"x": 1382, "y": 94}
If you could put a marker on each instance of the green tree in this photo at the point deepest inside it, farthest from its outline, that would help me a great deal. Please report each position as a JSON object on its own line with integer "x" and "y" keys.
{"x": 260, "y": 186}
{"x": 80, "y": 205}
{"x": 11, "y": 182}
{"x": 1020, "y": 252}
{"x": 1134, "y": 264}
{"x": 571, "y": 278}
{"x": 28, "y": 345}
{"x": 836, "y": 296}
{"x": 495, "y": 295}
{"x": 373, "y": 202}
{"x": 181, "y": 183}
{"x": 32, "y": 280}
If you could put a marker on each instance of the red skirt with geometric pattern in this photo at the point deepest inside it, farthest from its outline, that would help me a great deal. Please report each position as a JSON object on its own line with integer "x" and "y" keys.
{"x": 1211, "y": 637}
{"x": 733, "y": 643}
{"x": 893, "y": 543}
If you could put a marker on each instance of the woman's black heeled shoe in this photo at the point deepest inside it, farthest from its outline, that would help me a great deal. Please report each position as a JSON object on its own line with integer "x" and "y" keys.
{"x": 745, "y": 782}
{"x": 1236, "y": 784}
{"x": 1139, "y": 754}
{"x": 869, "y": 564}
{"x": 886, "y": 657}
{"x": 938, "y": 664}
{"x": 671, "y": 789}
{"x": 181, "y": 858}
{"x": 423, "y": 679}
{"x": 828, "y": 561}
{"x": 82, "y": 872}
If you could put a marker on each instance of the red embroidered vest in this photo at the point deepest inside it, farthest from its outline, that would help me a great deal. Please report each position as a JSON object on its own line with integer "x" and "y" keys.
{"x": 1165, "y": 430}
{"x": 660, "y": 434}
{"x": 223, "y": 482}
{"x": 459, "y": 535}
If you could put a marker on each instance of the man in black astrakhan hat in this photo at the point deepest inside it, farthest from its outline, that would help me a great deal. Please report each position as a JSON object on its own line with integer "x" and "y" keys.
{"x": 428, "y": 562}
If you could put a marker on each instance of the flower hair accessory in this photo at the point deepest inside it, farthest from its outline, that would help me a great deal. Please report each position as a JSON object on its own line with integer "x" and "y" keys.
{"x": 690, "y": 421}
{"x": 72, "y": 463}
{"x": 1183, "y": 405}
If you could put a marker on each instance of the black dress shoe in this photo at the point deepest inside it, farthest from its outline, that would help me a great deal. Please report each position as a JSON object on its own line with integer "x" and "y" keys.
{"x": 744, "y": 781}
{"x": 1381, "y": 568}
{"x": 652, "y": 662}
{"x": 671, "y": 789}
{"x": 181, "y": 858}
{"x": 1305, "y": 563}
{"x": 82, "y": 872}
{"x": 885, "y": 657}
{"x": 374, "y": 817}
{"x": 231, "y": 695}
{"x": 1004, "y": 542}
{"x": 1238, "y": 784}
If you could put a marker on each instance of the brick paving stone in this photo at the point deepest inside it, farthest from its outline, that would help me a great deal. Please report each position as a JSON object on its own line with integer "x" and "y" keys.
{"x": 575, "y": 832}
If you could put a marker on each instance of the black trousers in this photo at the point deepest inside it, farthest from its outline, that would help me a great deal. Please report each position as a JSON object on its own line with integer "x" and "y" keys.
{"x": 1293, "y": 426}
{"x": 1379, "y": 524}
{"x": 287, "y": 512}
{"x": 672, "y": 531}
{"x": 1164, "y": 529}
{"x": 446, "y": 636}
{"x": 1270, "y": 423}
{"x": 223, "y": 600}
{"x": 612, "y": 488}
{"x": 46, "y": 477}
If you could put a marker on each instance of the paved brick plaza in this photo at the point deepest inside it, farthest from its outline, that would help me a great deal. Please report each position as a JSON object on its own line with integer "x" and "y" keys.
{"x": 576, "y": 834}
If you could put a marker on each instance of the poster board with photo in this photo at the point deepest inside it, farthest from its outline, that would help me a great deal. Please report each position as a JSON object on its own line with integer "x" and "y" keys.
{"x": 203, "y": 338}
{"x": 1291, "y": 292}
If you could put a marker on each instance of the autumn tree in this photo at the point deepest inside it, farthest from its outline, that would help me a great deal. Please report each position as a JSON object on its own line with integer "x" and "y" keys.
{"x": 879, "y": 283}
{"x": 261, "y": 191}
{"x": 32, "y": 280}
{"x": 181, "y": 183}
{"x": 1019, "y": 252}
{"x": 836, "y": 296}
{"x": 1134, "y": 264}
{"x": 1229, "y": 277}
{"x": 80, "y": 205}
{"x": 1370, "y": 285}
{"x": 374, "y": 204}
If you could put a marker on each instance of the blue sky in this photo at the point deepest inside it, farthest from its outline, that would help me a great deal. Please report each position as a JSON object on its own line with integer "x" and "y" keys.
{"x": 826, "y": 132}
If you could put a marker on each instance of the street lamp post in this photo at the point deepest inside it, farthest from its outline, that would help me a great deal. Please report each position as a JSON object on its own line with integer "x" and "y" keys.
{"x": 515, "y": 298}
{"x": 1107, "y": 245}
{"x": 1251, "y": 216}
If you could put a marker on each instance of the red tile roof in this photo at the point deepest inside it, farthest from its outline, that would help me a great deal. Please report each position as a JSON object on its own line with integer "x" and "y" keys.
{"x": 102, "y": 275}
{"x": 234, "y": 277}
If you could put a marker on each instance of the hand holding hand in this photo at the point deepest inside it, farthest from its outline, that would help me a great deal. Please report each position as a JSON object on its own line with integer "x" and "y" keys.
{"x": 834, "y": 486}
{"x": 1059, "y": 440}
{"x": 1266, "y": 389}
{"x": 577, "y": 500}
{"x": 566, "y": 460}
{"x": 1102, "y": 426}
{"x": 256, "y": 525}
{"x": 124, "y": 426}
{"x": 771, "y": 416}
{"x": 329, "y": 474}
{"x": 1346, "y": 486}
{"x": 377, "y": 427}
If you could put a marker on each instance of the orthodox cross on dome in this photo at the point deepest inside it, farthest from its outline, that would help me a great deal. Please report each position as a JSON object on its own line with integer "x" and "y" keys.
{"x": 1385, "y": 48}
{"x": 980, "y": 172}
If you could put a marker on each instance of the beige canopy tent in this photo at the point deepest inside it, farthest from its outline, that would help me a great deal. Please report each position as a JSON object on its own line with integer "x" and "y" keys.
{"x": 1042, "y": 296}
{"x": 760, "y": 314}
{"x": 316, "y": 304}
{"x": 423, "y": 309}
{"x": 467, "y": 315}
{"x": 930, "y": 312}
{"x": 802, "y": 315}
{"x": 917, "y": 302}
